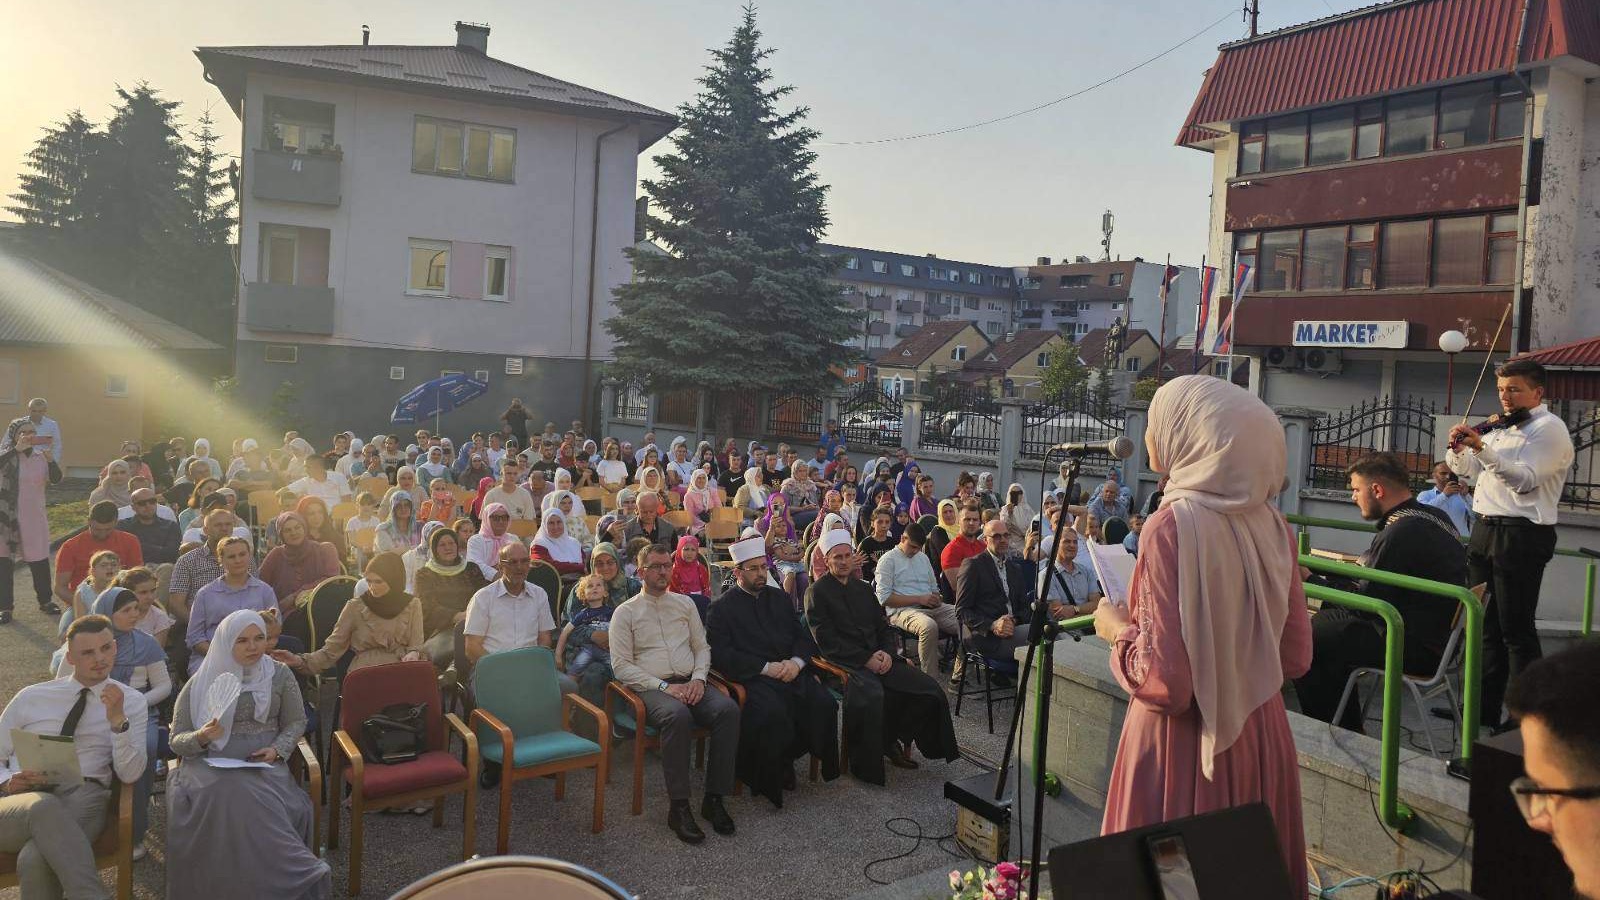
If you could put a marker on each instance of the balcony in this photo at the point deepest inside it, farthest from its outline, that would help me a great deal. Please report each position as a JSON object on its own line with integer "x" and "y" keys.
{"x": 298, "y": 308}
{"x": 909, "y": 307}
{"x": 938, "y": 308}
{"x": 1031, "y": 314}
{"x": 295, "y": 177}
{"x": 877, "y": 328}
{"x": 906, "y": 329}
{"x": 879, "y": 304}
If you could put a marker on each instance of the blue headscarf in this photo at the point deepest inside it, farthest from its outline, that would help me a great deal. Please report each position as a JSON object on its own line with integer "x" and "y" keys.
{"x": 134, "y": 647}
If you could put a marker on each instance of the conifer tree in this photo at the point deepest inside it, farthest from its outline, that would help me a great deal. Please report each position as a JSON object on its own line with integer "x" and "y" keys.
{"x": 50, "y": 193}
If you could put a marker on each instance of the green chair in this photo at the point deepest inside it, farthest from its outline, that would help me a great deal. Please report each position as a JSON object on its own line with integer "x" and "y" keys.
{"x": 524, "y": 724}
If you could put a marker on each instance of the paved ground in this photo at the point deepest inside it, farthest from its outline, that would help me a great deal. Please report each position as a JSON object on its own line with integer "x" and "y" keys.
{"x": 816, "y": 847}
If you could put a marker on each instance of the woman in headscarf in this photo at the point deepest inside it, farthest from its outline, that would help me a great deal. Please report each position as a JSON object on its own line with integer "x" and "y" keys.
{"x": 445, "y": 585}
{"x": 552, "y": 544}
{"x": 435, "y": 467}
{"x": 783, "y": 543}
{"x": 650, "y": 481}
{"x": 299, "y": 563}
{"x": 699, "y": 500}
{"x": 400, "y": 530}
{"x": 606, "y": 562}
{"x": 1215, "y": 623}
{"x": 987, "y": 498}
{"x": 320, "y": 525}
{"x": 706, "y": 458}
{"x": 690, "y": 574}
{"x": 562, "y": 481}
{"x": 751, "y": 498}
{"x": 405, "y": 482}
{"x": 476, "y": 470}
{"x": 1017, "y": 516}
{"x": 244, "y": 828}
{"x": 819, "y": 559}
{"x": 114, "y": 486}
{"x": 949, "y": 518}
{"x": 418, "y": 556}
{"x": 25, "y": 472}
{"x": 441, "y": 503}
{"x": 476, "y": 511}
{"x": 483, "y": 548}
{"x": 202, "y": 451}
{"x": 572, "y": 508}
{"x": 905, "y": 486}
{"x": 590, "y": 452}
{"x": 383, "y": 625}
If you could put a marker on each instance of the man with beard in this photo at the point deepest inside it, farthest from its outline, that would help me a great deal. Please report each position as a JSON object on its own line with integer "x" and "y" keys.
{"x": 757, "y": 642}
{"x": 888, "y": 703}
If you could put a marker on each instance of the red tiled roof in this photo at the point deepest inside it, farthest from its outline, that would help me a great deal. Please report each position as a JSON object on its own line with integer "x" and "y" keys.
{"x": 1010, "y": 352}
{"x": 1583, "y": 354}
{"x": 1092, "y": 346}
{"x": 1382, "y": 49}
{"x": 925, "y": 341}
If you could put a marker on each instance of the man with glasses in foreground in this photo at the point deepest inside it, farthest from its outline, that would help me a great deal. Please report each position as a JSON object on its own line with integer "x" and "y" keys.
{"x": 1553, "y": 700}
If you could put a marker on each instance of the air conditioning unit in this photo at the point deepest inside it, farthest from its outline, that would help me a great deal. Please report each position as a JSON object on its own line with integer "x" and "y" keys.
{"x": 1322, "y": 360}
{"x": 1281, "y": 358}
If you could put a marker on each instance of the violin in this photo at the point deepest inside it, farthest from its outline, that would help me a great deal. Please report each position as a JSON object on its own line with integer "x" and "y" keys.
{"x": 1496, "y": 423}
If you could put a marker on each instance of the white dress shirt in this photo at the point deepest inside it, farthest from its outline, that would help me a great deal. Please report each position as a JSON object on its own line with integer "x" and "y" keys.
{"x": 330, "y": 490}
{"x": 1523, "y": 468}
{"x": 42, "y": 708}
{"x": 508, "y": 621}
{"x": 48, "y": 427}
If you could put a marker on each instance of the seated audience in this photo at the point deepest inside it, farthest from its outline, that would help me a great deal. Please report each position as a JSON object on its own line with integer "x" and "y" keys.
{"x": 400, "y": 531}
{"x": 553, "y": 545}
{"x": 381, "y": 625}
{"x": 992, "y": 591}
{"x": 1109, "y": 503}
{"x": 235, "y": 590}
{"x": 483, "y": 548}
{"x": 72, "y": 559}
{"x": 298, "y": 564}
{"x": 1450, "y": 496}
{"x": 909, "y": 591}
{"x": 321, "y": 527}
{"x": 445, "y": 585}
{"x": 1070, "y": 586}
{"x": 159, "y": 537}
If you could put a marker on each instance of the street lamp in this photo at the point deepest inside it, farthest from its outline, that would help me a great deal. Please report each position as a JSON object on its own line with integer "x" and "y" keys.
{"x": 1451, "y": 342}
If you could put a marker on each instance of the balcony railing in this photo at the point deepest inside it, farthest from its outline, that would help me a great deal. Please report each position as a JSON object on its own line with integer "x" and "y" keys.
{"x": 299, "y": 308}
{"x": 905, "y": 329}
{"x": 911, "y": 307}
{"x": 295, "y": 177}
{"x": 877, "y": 327}
{"x": 879, "y": 304}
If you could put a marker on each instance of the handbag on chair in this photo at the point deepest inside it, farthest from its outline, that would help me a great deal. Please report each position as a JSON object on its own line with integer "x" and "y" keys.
{"x": 397, "y": 734}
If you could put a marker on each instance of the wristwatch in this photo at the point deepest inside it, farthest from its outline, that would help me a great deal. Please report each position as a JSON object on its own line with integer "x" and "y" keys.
{"x": 123, "y": 729}
{"x": 662, "y": 687}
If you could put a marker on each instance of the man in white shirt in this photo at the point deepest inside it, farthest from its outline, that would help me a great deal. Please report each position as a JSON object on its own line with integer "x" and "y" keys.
{"x": 909, "y": 591}
{"x": 1520, "y": 470}
{"x": 514, "y": 496}
{"x": 52, "y": 828}
{"x": 316, "y": 483}
{"x": 510, "y": 614}
{"x": 46, "y": 431}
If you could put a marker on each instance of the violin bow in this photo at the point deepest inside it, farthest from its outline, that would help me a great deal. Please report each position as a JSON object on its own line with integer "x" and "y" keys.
{"x": 1486, "y": 358}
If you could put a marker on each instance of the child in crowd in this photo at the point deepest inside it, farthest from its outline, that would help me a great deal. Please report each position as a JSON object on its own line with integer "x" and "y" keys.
{"x": 441, "y": 503}
{"x": 595, "y": 615}
{"x": 1131, "y": 542}
{"x": 632, "y": 553}
{"x": 690, "y": 575}
{"x": 153, "y": 620}
{"x": 367, "y": 517}
{"x": 103, "y": 568}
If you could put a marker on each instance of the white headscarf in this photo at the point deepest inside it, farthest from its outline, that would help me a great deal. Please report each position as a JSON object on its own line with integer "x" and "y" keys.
{"x": 257, "y": 681}
{"x": 562, "y": 475}
{"x": 1224, "y": 454}
{"x": 756, "y": 483}
{"x": 202, "y": 448}
{"x": 1019, "y": 517}
{"x": 564, "y": 549}
{"x": 700, "y": 486}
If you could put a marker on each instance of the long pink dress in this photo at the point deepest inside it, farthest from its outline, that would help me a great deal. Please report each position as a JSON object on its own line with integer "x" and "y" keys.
{"x": 1156, "y": 776}
{"x": 33, "y": 473}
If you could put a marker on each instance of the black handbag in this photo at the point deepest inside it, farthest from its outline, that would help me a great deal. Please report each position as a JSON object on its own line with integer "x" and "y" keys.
{"x": 397, "y": 734}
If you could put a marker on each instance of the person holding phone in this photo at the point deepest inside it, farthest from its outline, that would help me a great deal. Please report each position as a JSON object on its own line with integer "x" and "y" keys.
{"x": 1450, "y": 496}
{"x": 49, "y": 430}
{"x": 26, "y": 468}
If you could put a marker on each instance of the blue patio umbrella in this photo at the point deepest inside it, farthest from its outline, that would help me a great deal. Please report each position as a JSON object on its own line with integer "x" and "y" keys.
{"x": 435, "y": 398}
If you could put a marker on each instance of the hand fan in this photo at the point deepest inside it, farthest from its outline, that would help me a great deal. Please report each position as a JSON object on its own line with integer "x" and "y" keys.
{"x": 223, "y": 691}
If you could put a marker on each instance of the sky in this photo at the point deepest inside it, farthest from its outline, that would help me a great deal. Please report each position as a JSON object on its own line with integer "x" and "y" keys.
{"x": 1002, "y": 194}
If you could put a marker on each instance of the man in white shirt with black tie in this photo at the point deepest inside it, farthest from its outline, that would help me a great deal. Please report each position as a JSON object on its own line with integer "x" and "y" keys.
{"x": 52, "y": 829}
{"x": 1519, "y": 472}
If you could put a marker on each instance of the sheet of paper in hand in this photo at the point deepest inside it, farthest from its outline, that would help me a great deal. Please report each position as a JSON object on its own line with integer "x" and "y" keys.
{"x": 55, "y": 757}
{"x": 223, "y": 691}
{"x": 1113, "y": 566}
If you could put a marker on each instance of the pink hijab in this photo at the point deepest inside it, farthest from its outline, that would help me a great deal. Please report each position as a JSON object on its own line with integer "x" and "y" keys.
{"x": 1224, "y": 454}
{"x": 496, "y": 541}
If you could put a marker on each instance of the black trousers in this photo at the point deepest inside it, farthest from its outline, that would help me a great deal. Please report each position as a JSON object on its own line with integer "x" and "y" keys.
{"x": 42, "y": 588}
{"x": 1342, "y": 640}
{"x": 1508, "y": 556}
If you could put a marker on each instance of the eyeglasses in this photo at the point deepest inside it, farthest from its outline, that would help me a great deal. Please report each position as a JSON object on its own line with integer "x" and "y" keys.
{"x": 657, "y": 566}
{"x": 1534, "y": 801}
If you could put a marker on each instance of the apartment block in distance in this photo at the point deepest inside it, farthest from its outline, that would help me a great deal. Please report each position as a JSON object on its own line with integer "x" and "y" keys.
{"x": 409, "y": 211}
{"x": 901, "y": 292}
{"x": 1079, "y": 297}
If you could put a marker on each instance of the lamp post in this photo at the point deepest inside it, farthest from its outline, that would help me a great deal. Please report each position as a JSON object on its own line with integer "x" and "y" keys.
{"x": 1451, "y": 342}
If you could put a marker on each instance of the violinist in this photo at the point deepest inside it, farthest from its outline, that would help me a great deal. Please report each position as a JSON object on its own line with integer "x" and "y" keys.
{"x": 1520, "y": 461}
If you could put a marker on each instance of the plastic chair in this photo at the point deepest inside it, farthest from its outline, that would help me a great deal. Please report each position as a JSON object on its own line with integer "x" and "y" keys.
{"x": 727, "y": 514}
{"x": 344, "y": 511}
{"x": 1422, "y": 687}
{"x": 524, "y": 724}
{"x": 721, "y": 532}
{"x": 433, "y": 775}
{"x": 514, "y": 876}
{"x": 376, "y": 485}
{"x": 113, "y": 849}
{"x": 842, "y": 676}
{"x": 594, "y": 500}
{"x": 679, "y": 518}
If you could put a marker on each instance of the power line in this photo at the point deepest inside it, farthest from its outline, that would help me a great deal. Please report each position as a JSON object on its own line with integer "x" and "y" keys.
{"x": 1033, "y": 109}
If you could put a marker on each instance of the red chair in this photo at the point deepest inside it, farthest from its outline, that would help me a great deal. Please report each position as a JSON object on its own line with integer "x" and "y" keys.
{"x": 432, "y": 776}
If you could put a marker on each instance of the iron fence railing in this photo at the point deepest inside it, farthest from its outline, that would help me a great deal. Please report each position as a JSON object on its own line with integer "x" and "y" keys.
{"x": 871, "y": 417}
{"x": 962, "y": 418}
{"x": 1401, "y": 426}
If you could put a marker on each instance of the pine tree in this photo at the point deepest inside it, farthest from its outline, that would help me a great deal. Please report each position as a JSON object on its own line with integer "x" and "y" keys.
{"x": 51, "y": 194}
{"x": 208, "y": 196}
{"x": 743, "y": 299}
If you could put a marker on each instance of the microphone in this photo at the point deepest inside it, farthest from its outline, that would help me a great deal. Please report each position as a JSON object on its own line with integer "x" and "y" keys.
{"x": 1118, "y": 447}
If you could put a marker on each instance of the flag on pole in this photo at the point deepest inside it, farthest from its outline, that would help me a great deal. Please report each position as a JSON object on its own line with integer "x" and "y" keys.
{"x": 1208, "y": 283}
{"x": 1223, "y": 346}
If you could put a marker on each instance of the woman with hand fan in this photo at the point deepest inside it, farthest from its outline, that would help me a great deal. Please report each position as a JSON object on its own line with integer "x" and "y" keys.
{"x": 221, "y": 823}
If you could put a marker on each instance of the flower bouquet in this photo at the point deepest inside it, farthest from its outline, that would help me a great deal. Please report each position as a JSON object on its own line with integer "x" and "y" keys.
{"x": 1003, "y": 882}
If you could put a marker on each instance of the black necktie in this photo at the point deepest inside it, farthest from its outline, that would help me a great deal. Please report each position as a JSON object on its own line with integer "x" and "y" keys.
{"x": 76, "y": 713}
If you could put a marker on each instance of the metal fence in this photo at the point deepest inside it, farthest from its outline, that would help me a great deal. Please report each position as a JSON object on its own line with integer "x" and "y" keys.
{"x": 680, "y": 408}
{"x": 963, "y": 419}
{"x": 795, "y": 417}
{"x": 1403, "y": 427}
{"x": 871, "y": 417}
{"x": 744, "y": 409}
{"x": 1071, "y": 418}
{"x": 631, "y": 402}
{"x": 1582, "y": 490}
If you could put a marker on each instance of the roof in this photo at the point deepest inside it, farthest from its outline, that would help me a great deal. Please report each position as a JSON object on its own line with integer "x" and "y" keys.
{"x": 449, "y": 70}
{"x": 1092, "y": 346}
{"x": 913, "y": 351}
{"x": 920, "y": 264}
{"x": 42, "y": 305}
{"x": 1010, "y": 351}
{"x": 1584, "y": 354}
{"x": 1382, "y": 49}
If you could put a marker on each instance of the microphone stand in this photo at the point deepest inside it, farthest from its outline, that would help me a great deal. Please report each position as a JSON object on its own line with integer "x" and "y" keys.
{"x": 1042, "y": 633}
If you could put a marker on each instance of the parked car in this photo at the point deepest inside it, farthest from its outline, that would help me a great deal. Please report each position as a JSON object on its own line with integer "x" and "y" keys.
{"x": 877, "y": 428}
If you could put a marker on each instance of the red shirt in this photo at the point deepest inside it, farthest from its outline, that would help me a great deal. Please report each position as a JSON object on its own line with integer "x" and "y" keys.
{"x": 959, "y": 550}
{"x": 73, "y": 557}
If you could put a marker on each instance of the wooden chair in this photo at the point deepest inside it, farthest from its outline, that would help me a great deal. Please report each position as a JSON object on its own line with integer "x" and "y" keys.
{"x": 594, "y": 523}
{"x": 377, "y": 485}
{"x": 679, "y": 518}
{"x": 364, "y": 539}
{"x": 727, "y": 514}
{"x": 113, "y": 849}
{"x": 305, "y": 769}
{"x": 524, "y": 724}
{"x": 433, "y": 775}
{"x": 720, "y": 534}
{"x": 645, "y": 736}
{"x": 344, "y": 511}
{"x": 594, "y": 499}
{"x": 547, "y": 579}
{"x": 523, "y": 528}
{"x": 842, "y": 675}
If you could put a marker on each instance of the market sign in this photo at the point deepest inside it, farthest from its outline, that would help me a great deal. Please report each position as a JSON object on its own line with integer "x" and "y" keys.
{"x": 1350, "y": 334}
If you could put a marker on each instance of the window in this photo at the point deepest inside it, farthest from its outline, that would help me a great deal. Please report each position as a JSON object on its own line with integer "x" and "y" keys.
{"x": 1330, "y": 135}
{"x": 430, "y": 268}
{"x": 116, "y": 385}
{"x": 1458, "y": 256}
{"x": 970, "y": 303}
{"x": 1084, "y": 306}
{"x": 959, "y": 353}
{"x": 1220, "y": 368}
{"x": 1362, "y": 257}
{"x": 1117, "y": 305}
{"x": 995, "y": 307}
{"x": 1116, "y": 279}
{"x": 1131, "y": 364}
{"x": 1508, "y": 110}
{"x": 1465, "y": 111}
{"x": 1245, "y": 251}
{"x": 296, "y": 126}
{"x": 443, "y": 147}
{"x": 280, "y": 245}
{"x": 282, "y": 353}
{"x": 1369, "y": 129}
{"x": 1081, "y": 329}
{"x": 907, "y": 270}
{"x": 1409, "y": 125}
{"x": 974, "y": 278}
{"x": 1075, "y": 281}
{"x": 1031, "y": 283}
{"x": 1286, "y": 143}
{"x": 954, "y": 276}
{"x": 496, "y": 273}
{"x": 880, "y": 267}
{"x": 1251, "y": 138}
{"x": 1279, "y": 267}
{"x": 10, "y": 381}
{"x": 1502, "y": 248}
{"x": 513, "y": 365}
{"x": 992, "y": 327}
{"x": 1403, "y": 258}
{"x": 1042, "y": 360}
{"x": 1324, "y": 259}
{"x": 445, "y": 373}
{"x": 852, "y": 263}
{"x": 935, "y": 274}
{"x": 480, "y": 375}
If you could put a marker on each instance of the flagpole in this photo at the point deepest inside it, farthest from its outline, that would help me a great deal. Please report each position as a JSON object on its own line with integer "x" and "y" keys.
{"x": 1233, "y": 316}
{"x": 1161, "y": 343}
{"x": 1199, "y": 326}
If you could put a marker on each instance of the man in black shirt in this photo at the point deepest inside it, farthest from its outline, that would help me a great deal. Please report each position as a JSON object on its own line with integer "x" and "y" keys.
{"x": 1413, "y": 539}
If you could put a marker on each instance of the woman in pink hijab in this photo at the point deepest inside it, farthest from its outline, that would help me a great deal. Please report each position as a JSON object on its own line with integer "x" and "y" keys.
{"x": 1216, "y": 621}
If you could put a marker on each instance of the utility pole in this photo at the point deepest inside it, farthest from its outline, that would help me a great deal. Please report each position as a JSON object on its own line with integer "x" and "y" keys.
{"x": 1252, "y": 14}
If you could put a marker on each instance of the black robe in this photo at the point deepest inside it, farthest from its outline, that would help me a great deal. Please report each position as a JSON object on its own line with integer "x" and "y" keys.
{"x": 780, "y": 721}
{"x": 903, "y": 705}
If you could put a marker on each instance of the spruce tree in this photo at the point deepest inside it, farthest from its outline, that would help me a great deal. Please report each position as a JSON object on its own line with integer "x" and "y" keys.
{"x": 743, "y": 299}
{"x": 208, "y": 197}
{"x": 51, "y": 190}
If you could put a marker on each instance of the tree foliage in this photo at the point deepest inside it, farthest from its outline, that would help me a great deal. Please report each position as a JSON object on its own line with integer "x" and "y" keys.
{"x": 1066, "y": 373}
{"x": 743, "y": 297}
